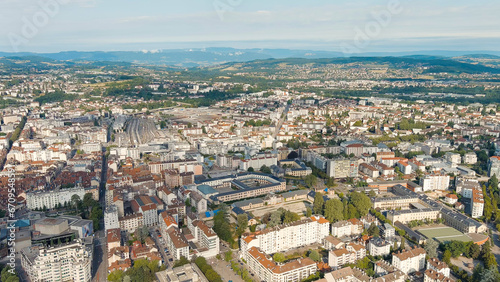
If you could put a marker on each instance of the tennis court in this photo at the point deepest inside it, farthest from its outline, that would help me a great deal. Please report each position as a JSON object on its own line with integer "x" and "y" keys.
{"x": 443, "y": 234}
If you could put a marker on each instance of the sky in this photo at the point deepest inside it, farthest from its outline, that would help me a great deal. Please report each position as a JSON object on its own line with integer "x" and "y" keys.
{"x": 332, "y": 25}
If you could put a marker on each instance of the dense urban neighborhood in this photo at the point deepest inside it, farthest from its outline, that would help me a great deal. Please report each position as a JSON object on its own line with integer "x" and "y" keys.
{"x": 375, "y": 169}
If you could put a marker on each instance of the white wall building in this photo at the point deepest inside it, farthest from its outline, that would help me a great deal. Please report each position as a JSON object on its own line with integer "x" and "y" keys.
{"x": 409, "y": 261}
{"x": 287, "y": 236}
{"x": 66, "y": 262}
{"x": 50, "y": 199}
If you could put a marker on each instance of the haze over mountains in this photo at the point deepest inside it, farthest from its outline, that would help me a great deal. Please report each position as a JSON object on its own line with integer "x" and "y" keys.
{"x": 220, "y": 55}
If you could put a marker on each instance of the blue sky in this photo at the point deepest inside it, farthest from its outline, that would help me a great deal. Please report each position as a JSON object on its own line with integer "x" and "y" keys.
{"x": 88, "y": 25}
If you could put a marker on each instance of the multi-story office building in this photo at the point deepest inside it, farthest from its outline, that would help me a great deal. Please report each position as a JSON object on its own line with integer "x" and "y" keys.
{"x": 409, "y": 261}
{"x": 287, "y": 236}
{"x": 64, "y": 262}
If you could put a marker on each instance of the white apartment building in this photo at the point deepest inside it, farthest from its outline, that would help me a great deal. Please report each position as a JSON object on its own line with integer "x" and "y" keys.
{"x": 439, "y": 266}
{"x": 431, "y": 275}
{"x": 111, "y": 218}
{"x": 350, "y": 254}
{"x": 287, "y": 236}
{"x": 50, "y": 199}
{"x": 409, "y": 261}
{"x": 346, "y": 228}
{"x": 65, "y": 262}
{"x": 342, "y": 168}
{"x": 453, "y": 158}
{"x": 469, "y": 158}
{"x": 257, "y": 162}
{"x": 379, "y": 247}
{"x": 435, "y": 182}
{"x": 494, "y": 166}
{"x": 177, "y": 244}
{"x": 205, "y": 237}
{"x": 267, "y": 270}
{"x": 131, "y": 222}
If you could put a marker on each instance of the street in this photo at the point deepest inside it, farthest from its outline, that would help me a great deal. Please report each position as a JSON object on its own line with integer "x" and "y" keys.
{"x": 100, "y": 258}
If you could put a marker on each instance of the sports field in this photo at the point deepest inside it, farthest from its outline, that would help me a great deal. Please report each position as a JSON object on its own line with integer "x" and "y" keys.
{"x": 443, "y": 234}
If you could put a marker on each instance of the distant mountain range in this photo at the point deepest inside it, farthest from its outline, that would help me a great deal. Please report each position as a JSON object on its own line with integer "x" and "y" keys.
{"x": 216, "y": 56}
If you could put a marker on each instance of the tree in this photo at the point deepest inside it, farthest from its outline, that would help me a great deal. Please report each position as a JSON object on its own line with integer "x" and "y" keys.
{"x": 318, "y": 203}
{"x": 447, "y": 257}
{"x": 474, "y": 251}
{"x": 361, "y": 202}
{"x": 403, "y": 240}
{"x": 221, "y": 224}
{"x": 115, "y": 276}
{"x": 75, "y": 201}
{"x": 242, "y": 223}
{"x": 334, "y": 210}
{"x": 275, "y": 219}
{"x": 373, "y": 230}
{"x": 490, "y": 275}
{"x": 310, "y": 180}
{"x": 265, "y": 169}
{"x": 250, "y": 169}
{"x": 431, "y": 248}
{"x": 314, "y": 255}
{"x": 308, "y": 212}
{"x": 279, "y": 257}
{"x": 182, "y": 261}
{"x": 330, "y": 183}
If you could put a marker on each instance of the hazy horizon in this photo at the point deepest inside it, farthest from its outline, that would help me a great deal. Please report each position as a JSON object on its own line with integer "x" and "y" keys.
{"x": 359, "y": 26}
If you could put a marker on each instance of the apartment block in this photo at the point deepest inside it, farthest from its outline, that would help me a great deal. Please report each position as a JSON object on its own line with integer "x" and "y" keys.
{"x": 267, "y": 270}
{"x": 64, "y": 262}
{"x": 287, "y": 236}
{"x": 409, "y": 261}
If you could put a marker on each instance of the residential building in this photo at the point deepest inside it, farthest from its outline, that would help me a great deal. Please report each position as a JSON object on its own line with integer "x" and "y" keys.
{"x": 287, "y": 236}
{"x": 267, "y": 270}
{"x": 51, "y": 199}
{"x": 494, "y": 166}
{"x": 469, "y": 158}
{"x": 431, "y": 275}
{"x": 439, "y": 266}
{"x": 111, "y": 218}
{"x": 342, "y": 168}
{"x": 409, "y": 261}
{"x": 131, "y": 222}
{"x": 435, "y": 182}
{"x": 64, "y": 262}
{"x": 379, "y": 247}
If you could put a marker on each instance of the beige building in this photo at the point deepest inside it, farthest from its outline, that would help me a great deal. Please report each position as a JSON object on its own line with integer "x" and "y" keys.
{"x": 409, "y": 261}
{"x": 267, "y": 270}
{"x": 405, "y": 216}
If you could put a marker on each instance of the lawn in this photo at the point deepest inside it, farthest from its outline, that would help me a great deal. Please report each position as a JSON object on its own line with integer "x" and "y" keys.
{"x": 443, "y": 234}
